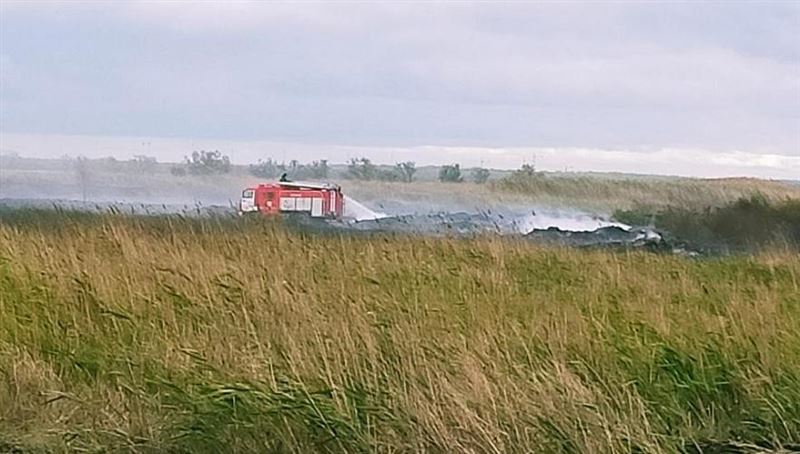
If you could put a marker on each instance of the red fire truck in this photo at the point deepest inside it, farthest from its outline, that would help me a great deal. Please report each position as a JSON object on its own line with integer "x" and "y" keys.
{"x": 319, "y": 200}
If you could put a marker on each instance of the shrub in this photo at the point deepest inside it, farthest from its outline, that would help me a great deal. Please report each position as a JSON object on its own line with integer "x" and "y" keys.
{"x": 406, "y": 171}
{"x": 749, "y": 222}
{"x": 267, "y": 169}
{"x": 177, "y": 171}
{"x": 361, "y": 169}
{"x": 451, "y": 174}
{"x": 527, "y": 170}
{"x": 207, "y": 163}
{"x": 317, "y": 169}
{"x": 480, "y": 175}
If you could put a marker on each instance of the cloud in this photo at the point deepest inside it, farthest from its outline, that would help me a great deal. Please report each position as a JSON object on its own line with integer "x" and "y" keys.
{"x": 240, "y": 16}
{"x": 632, "y": 76}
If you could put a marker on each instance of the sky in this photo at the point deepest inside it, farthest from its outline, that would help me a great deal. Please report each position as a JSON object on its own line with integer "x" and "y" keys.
{"x": 691, "y": 88}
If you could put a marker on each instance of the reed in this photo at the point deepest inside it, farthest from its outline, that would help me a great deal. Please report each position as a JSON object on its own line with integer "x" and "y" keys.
{"x": 158, "y": 334}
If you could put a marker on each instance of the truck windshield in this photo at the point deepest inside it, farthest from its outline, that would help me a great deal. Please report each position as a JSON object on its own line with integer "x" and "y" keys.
{"x": 247, "y": 194}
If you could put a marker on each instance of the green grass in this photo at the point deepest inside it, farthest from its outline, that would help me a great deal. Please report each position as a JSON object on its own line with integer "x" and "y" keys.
{"x": 630, "y": 193}
{"x": 746, "y": 224}
{"x": 231, "y": 335}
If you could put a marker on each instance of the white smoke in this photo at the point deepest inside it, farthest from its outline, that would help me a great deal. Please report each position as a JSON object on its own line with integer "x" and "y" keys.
{"x": 572, "y": 222}
{"x": 511, "y": 222}
{"x": 353, "y": 209}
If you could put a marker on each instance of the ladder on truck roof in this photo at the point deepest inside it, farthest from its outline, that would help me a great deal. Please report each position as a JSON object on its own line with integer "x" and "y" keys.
{"x": 309, "y": 185}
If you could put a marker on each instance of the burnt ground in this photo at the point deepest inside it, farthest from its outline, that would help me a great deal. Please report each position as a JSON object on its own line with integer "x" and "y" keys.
{"x": 459, "y": 224}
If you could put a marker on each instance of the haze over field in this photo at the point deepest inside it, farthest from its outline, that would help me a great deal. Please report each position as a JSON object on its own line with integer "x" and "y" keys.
{"x": 694, "y": 89}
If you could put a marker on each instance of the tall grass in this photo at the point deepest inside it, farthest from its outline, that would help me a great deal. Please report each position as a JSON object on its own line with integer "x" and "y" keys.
{"x": 746, "y": 224}
{"x": 220, "y": 335}
{"x": 627, "y": 193}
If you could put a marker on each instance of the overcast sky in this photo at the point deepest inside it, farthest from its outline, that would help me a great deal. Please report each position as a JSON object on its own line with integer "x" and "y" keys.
{"x": 618, "y": 81}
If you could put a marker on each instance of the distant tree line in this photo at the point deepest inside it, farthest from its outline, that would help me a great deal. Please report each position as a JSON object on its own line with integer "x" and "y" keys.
{"x": 294, "y": 169}
{"x": 452, "y": 174}
{"x": 363, "y": 169}
{"x": 203, "y": 163}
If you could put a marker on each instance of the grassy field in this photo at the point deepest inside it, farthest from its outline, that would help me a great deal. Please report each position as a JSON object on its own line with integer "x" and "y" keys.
{"x": 625, "y": 193}
{"x": 167, "y": 334}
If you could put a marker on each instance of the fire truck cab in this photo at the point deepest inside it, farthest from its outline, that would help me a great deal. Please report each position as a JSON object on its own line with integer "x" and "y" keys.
{"x": 319, "y": 200}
